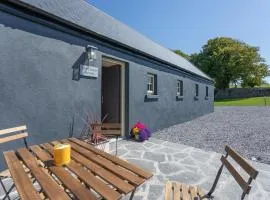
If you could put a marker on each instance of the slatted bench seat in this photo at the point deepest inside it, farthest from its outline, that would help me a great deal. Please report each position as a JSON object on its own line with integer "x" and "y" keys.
{"x": 8, "y": 135}
{"x": 179, "y": 191}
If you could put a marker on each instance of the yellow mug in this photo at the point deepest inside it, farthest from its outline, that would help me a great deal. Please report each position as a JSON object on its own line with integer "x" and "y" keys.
{"x": 61, "y": 154}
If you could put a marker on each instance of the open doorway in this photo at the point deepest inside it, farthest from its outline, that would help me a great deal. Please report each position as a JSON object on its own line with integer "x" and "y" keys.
{"x": 112, "y": 92}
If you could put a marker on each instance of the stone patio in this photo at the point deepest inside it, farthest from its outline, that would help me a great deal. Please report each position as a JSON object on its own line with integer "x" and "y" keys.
{"x": 174, "y": 161}
{"x": 171, "y": 161}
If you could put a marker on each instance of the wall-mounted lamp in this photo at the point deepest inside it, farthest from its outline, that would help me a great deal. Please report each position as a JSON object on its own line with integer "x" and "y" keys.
{"x": 91, "y": 52}
{"x": 89, "y": 67}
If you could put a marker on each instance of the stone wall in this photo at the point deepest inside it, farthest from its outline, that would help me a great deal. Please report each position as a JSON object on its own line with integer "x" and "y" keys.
{"x": 234, "y": 93}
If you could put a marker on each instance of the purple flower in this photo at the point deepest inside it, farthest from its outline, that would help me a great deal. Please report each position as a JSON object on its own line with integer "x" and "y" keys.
{"x": 148, "y": 132}
{"x": 143, "y": 135}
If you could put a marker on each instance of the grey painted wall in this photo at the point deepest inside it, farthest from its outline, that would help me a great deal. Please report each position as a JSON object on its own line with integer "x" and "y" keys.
{"x": 37, "y": 87}
{"x": 165, "y": 110}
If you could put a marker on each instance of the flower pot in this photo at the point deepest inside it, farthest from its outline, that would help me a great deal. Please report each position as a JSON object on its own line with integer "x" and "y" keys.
{"x": 137, "y": 137}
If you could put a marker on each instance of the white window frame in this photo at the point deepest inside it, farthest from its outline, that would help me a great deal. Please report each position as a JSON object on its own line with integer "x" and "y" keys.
{"x": 150, "y": 83}
{"x": 179, "y": 88}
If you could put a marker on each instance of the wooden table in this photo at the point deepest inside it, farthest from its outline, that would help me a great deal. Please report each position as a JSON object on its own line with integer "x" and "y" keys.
{"x": 91, "y": 174}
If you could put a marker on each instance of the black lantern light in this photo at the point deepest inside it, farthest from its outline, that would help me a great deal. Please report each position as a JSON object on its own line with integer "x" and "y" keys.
{"x": 91, "y": 52}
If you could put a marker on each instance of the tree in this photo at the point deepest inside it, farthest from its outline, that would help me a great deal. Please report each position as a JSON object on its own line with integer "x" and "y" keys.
{"x": 255, "y": 77}
{"x": 229, "y": 60}
{"x": 181, "y": 53}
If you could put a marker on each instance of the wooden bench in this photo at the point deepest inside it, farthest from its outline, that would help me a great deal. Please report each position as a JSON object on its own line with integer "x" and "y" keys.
{"x": 177, "y": 191}
{"x": 107, "y": 130}
{"x": 180, "y": 191}
{"x": 8, "y": 135}
{"x": 108, "y": 126}
{"x": 17, "y": 133}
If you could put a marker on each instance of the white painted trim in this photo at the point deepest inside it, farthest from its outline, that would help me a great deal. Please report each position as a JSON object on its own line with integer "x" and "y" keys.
{"x": 151, "y": 76}
{"x": 123, "y": 100}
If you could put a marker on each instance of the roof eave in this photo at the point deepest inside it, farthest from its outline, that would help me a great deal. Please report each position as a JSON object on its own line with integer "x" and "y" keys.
{"x": 95, "y": 34}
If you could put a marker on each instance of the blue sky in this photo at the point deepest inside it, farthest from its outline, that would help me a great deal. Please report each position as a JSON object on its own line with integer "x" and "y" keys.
{"x": 187, "y": 25}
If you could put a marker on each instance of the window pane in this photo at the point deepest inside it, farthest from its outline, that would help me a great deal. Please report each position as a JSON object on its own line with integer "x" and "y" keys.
{"x": 151, "y": 83}
{"x": 181, "y": 88}
{"x": 197, "y": 90}
{"x": 149, "y": 79}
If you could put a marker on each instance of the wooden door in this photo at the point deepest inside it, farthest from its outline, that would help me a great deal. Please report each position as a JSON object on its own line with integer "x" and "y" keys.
{"x": 111, "y": 94}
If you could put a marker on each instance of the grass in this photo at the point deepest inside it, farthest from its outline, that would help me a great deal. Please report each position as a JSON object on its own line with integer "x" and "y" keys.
{"x": 254, "y": 101}
{"x": 264, "y": 86}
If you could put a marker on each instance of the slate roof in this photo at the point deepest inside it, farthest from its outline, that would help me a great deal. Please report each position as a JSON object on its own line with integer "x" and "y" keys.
{"x": 85, "y": 15}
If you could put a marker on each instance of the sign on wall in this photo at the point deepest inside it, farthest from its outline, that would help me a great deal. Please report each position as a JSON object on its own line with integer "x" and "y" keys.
{"x": 88, "y": 71}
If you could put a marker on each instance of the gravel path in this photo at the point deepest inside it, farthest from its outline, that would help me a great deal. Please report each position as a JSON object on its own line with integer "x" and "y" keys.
{"x": 246, "y": 129}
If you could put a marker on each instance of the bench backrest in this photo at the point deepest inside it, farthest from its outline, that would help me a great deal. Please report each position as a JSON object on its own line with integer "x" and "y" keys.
{"x": 10, "y": 134}
{"x": 245, "y": 185}
{"x": 106, "y": 126}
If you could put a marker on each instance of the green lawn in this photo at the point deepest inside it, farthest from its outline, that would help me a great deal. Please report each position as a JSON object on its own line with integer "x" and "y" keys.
{"x": 267, "y": 85}
{"x": 264, "y": 86}
{"x": 254, "y": 101}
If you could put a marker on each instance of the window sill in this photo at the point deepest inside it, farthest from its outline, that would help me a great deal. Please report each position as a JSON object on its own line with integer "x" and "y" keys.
{"x": 179, "y": 98}
{"x": 206, "y": 98}
{"x": 196, "y": 98}
{"x": 151, "y": 96}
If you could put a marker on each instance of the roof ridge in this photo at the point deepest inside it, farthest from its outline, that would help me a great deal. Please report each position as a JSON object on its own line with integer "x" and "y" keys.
{"x": 112, "y": 29}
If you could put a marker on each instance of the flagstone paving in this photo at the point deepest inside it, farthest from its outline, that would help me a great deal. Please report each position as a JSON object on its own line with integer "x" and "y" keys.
{"x": 177, "y": 162}
{"x": 171, "y": 161}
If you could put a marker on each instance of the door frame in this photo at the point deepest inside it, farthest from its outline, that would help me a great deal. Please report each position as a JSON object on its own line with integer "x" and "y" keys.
{"x": 123, "y": 90}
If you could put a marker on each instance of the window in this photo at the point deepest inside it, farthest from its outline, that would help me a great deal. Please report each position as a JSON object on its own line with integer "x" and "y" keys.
{"x": 151, "y": 84}
{"x": 196, "y": 90}
{"x": 179, "y": 89}
{"x": 206, "y": 91}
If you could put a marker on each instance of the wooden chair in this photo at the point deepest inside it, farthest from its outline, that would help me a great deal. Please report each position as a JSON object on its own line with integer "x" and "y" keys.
{"x": 13, "y": 134}
{"x": 106, "y": 130}
{"x": 177, "y": 191}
